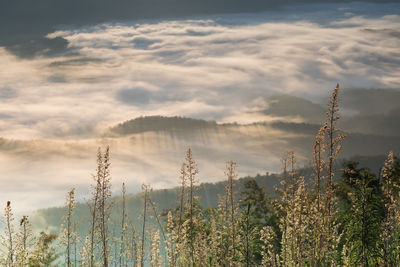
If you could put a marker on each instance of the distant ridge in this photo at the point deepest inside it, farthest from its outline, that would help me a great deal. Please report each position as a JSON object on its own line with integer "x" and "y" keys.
{"x": 166, "y": 199}
{"x": 160, "y": 123}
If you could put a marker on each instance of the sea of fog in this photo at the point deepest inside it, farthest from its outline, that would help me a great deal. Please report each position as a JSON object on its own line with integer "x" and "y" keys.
{"x": 55, "y": 109}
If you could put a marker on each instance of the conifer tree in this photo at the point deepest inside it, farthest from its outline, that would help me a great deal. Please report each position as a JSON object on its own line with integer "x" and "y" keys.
{"x": 44, "y": 253}
{"x": 248, "y": 238}
{"x": 254, "y": 211}
{"x": 361, "y": 215}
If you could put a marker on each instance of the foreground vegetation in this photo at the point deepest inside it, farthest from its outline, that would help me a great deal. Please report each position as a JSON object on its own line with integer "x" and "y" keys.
{"x": 353, "y": 220}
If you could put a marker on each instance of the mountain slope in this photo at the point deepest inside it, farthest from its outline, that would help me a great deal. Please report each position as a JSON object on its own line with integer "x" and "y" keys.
{"x": 166, "y": 199}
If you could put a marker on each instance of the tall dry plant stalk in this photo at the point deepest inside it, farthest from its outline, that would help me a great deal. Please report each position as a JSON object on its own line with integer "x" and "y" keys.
{"x": 175, "y": 237}
{"x": 318, "y": 154}
{"x": 100, "y": 211}
{"x": 290, "y": 192}
{"x": 295, "y": 220}
{"x": 122, "y": 253}
{"x": 8, "y": 239}
{"x": 231, "y": 207}
{"x": 183, "y": 179}
{"x": 155, "y": 252}
{"x": 76, "y": 240}
{"x": 292, "y": 187}
{"x": 24, "y": 240}
{"x": 68, "y": 236}
{"x": 191, "y": 171}
{"x": 317, "y": 209}
{"x": 269, "y": 253}
{"x": 133, "y": 246}
{"x": 104, "y": 207}
{"x": 146, "y": 189}
{"x": 284, "y": 199}
{"x": 171, "y": 241}
{"x": 334, "y": 137}
{"x": 93, "y": 208}
{"x": 156, "y": 215}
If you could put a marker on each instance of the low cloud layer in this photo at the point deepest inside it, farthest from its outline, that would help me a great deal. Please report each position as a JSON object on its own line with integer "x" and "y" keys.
{"x": 211, "y": 68}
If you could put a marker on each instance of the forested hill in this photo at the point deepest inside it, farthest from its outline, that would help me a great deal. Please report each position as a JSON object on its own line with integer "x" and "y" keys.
{"x": 282, "y": 133}
{"x": 165, "y": 199}
{"x": 361, "y": 111}
{"x": 160, "y": 123}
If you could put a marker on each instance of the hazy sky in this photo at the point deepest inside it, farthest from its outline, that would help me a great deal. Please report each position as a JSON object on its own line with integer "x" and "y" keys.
{"x": 215, "y": 67}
